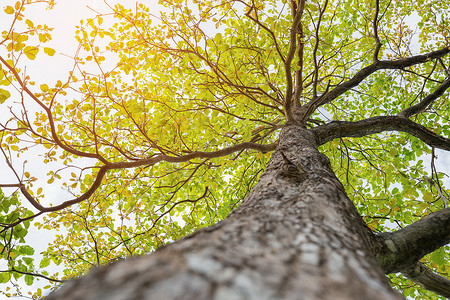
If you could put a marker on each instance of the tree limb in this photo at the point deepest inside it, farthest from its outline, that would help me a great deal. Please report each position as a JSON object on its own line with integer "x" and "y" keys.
{"x": 97, "y": 182}
{"x": 397, "y": 251}
{"x": 145, "y": 162}
{"x": 51, "y": 121}
{"x": 367, "y": 71}
{"x": 375, "y": 31}
{"x": 338, "y": 129}
{"x": 428, "y": 100}
{"x": 289, "y": 58}
{"x": 258, "y": 22}
{"x": 197, "y": 154}
{"x": 429, "y": 280}
{"x": 300, "y": 49}
{"x": 35, "y": 275}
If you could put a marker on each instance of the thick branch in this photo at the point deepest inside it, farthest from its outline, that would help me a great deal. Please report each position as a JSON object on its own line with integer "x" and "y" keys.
{"x": 367, "y": 71}
{"x": 428, "y": 100}
{"x": 375, "y": 31}
{"x": 290, "y": 56}
{"x": 338, "y": 129}
{"x": 299, "y": 73}
{"x": 198, "y": 154}
{"x": 314, "y": 54}
{"x": 146, "y": 162}
{"x": 429, "y": 280}
{"x": 98, "y": 180}
{"x": 399, "y": 250}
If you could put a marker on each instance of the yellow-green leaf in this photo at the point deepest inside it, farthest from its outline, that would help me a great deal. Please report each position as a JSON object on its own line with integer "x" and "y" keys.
{"x": 31, "y": 52}
{"x": 44, "y": 87}
{"x": 49, "y": 51}
{"x": 4, "y": 94}
{"x": 9, "y": 10}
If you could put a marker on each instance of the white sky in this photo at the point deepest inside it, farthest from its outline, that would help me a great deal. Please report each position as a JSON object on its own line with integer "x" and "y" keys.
{"x": 63, "y": 18}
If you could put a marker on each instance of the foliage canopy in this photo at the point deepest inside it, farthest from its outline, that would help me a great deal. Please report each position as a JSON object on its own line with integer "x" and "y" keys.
{"x": 168, "y": 117}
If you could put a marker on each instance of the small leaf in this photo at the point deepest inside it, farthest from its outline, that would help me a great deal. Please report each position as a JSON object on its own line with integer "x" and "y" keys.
{"x": 9, "y": 10}
{"x": 29, "y": 279}
{"x": 428, "y": 197}
{"x": 44, "y": 87}
{"x": 438, "y": 257}
{"x": 4, "y": 277}
{"x": 31, "y": 52}
{"x": 49, "y": 51}
{"x": 29, "y": 23}
{"x": 4, "y": 94}
{"x": 27, "y": 250}
{"x": 44, "y": 262}
{"x": 28, "y": 260}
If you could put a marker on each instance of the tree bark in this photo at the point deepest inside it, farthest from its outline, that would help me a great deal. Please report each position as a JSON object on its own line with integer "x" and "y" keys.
{"x": 296, "y": 236}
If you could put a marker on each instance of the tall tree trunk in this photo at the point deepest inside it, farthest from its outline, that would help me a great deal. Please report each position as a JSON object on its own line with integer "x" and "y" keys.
{"x": 296, "y": 236}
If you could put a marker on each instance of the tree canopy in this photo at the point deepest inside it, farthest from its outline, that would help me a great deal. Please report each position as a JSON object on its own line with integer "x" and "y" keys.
{"x": 169, "y": 116}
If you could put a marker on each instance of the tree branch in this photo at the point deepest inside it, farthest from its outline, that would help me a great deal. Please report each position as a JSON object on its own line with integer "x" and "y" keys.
{"x": 399, "y": 250}
{"x": 367, "y": 71}
{"x": 197, "y": 154}
{"x": 314, "y": 54}
{"x": 428, "y": 100}
{"x": 338, "y": 129}
{"x": 258, "y": 22}
{"x": 145, "y": 162}
{"x": 97, "y": 182}
{"x": 289, "y": 58}
{"x": 429, "y": 280}
{"x": 299, "y": 73}
{"x": 375, "y": 31}
{"x": 35, "y": 275}
{"x": 47, "y": 110}
{"x": 381, "y": 65}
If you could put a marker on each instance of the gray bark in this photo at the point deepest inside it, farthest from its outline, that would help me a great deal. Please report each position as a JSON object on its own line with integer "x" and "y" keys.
{"x": 400, "y": 250}
{"x": 429, "y": 280}
{"x": 296, "y": 236}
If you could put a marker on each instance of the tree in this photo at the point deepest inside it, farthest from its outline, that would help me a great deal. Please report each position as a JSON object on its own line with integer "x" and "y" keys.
{"x": 295, "y": 132}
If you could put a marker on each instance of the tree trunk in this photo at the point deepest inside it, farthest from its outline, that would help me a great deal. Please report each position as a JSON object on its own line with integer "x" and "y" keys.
{"x": 296, "y": 236}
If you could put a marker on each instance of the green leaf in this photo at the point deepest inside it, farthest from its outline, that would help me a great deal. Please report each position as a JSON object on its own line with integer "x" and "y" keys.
{"x": 4, "y": 277}
{"x": 29, "y": 279}
{"x": 28, "y": 260}
{"x": 438, "y": 256}
{"x": 44, "y": 262}
{"x": 27, "y": 250}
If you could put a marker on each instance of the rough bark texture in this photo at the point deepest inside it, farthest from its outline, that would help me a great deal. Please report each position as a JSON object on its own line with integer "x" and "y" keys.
{"x": 296, "y": 236}
{"x": 400, "y": 250}
{"x": 428, "y": 279}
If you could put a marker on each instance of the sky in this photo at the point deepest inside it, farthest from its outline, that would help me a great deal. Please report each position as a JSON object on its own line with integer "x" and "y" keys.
{"x": 63, "y": 18}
